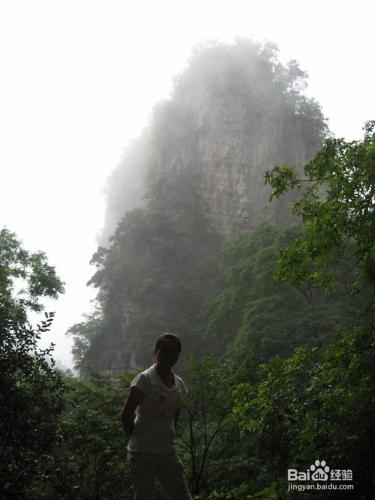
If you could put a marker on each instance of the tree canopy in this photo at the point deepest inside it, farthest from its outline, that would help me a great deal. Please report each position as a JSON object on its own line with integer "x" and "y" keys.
{"x": 31, "y": 389}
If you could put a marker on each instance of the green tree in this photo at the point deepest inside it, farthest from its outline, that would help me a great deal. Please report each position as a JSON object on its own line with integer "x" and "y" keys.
{"x": 257, "y": 316}
{"x": 341, "y": 217}
{"x": 91, "y": 458}
{"x": 315, "y": 404}
{"x": 84, "y": 334}
{"x": 204, "y": 417}
{"x": 31, "y": 389}
{"x": 153, "y": 278}
{"x": 319, "y": 402}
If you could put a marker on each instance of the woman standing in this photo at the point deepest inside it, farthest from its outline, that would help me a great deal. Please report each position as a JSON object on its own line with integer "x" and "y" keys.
{"x": 155, "y": 400}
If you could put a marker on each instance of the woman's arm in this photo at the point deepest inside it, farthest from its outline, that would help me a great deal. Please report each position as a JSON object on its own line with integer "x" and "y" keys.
{"x": 134, "y": 398}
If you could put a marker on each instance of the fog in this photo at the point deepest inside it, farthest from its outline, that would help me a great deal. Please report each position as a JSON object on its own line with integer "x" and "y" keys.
{"x": 79, "y": 80}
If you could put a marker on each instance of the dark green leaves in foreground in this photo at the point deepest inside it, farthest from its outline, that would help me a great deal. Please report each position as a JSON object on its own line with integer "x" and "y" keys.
{"x": 30, "y": 388}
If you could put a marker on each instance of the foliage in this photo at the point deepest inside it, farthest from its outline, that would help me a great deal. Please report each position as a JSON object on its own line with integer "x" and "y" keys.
{"x": 306, "y": 404}
{"x": 84, "y": 333}
{"x": 153, "y": 278}
{"x": 205, "y": 417}
{"x": 31, "y": 389}
{"x": 222, "y": 461}
{"x": 243, "y": 492}
{"x": 319, "y": 402}
{"x": 91, "y": 459}
{"x": 87, "y": 459}
{"x": 344, "y": 215}
{"x": 256, "y": 316}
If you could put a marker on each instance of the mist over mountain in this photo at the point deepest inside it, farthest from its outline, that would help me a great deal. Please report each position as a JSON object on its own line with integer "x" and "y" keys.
{"x": 234, "y": 112}
{"x": 189, "y": 185}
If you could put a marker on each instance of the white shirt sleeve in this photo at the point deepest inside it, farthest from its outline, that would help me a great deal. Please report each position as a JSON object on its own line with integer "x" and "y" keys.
{"x": 141, "y": 381}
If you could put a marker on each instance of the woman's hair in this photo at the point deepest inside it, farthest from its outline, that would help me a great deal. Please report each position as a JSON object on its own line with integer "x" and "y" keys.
{"x": 165, "y": 337}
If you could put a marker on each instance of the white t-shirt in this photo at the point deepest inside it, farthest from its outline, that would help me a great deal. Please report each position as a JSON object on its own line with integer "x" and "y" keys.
{"x": 154, "y": 430}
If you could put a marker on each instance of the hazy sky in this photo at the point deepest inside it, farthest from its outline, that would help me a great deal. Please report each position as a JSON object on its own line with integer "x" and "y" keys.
{"x": 79, "y": 79}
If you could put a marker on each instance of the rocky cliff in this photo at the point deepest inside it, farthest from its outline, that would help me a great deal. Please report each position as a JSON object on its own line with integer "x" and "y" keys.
{"x": 234, "y": 113}
{"x": 194, "y": 181}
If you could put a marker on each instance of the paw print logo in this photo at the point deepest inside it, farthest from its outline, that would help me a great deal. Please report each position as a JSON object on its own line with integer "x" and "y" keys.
{"x": 320, "y": 470}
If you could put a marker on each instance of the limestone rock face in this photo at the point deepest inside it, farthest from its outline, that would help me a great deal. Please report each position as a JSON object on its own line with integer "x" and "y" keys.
{"x": 233, "y": 115}
{"x": 225, "y": 154}
{"x": 234, "y": 151}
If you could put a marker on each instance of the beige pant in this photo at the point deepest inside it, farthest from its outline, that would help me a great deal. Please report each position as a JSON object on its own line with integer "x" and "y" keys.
{"x": 168, "y": 469}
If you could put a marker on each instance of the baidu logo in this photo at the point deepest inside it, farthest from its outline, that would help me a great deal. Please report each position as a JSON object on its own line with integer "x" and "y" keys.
{"x": 319, "y": 476}
{"x": 318, "y": 471}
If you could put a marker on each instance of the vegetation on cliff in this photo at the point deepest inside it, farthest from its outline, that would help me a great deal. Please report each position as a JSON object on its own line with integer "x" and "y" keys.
{"x": 235, "y": 111}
